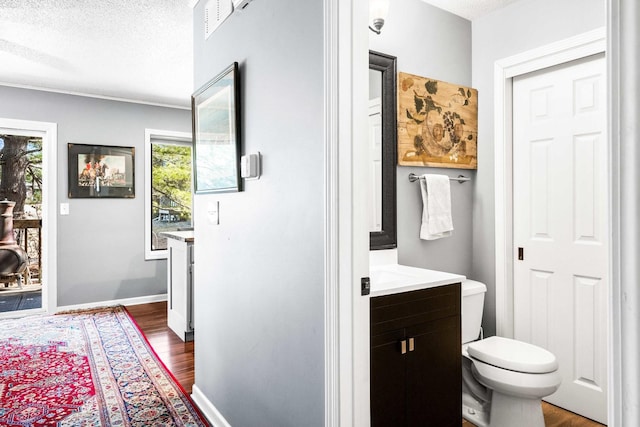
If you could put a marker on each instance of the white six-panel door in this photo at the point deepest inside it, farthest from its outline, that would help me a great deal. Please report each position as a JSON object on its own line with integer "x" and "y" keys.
{"x": 561, "y": 222}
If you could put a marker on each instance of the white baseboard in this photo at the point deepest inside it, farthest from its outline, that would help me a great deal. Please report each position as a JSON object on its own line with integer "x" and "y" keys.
{"x": 124, "y": 301}
{"x": 207, "y": 408}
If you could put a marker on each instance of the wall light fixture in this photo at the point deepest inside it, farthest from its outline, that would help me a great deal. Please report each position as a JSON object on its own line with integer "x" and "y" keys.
{"x": 378, "y": 10}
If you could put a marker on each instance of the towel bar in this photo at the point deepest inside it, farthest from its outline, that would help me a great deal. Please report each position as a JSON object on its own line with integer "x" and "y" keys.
{"x": 461, "y": 178}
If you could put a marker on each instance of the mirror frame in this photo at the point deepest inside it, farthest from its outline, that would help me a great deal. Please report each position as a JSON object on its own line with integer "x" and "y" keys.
{"x": 387, "y": 238}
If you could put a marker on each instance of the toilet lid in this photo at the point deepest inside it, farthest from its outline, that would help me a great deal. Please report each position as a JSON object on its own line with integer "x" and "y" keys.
{"x": 513, "y": 355}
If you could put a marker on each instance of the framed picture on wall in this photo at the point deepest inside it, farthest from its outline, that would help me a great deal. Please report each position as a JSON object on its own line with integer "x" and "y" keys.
{"x": 101, "y": 171}
{"x": 216, "y": 134}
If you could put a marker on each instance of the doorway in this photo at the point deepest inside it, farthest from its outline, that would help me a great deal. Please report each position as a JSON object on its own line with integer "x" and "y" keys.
{"x": 561, "y": 225}
{"x": 28, "y": 181}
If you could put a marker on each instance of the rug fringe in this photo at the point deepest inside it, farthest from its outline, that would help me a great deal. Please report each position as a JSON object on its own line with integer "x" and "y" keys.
{"x": 101, "y": 309}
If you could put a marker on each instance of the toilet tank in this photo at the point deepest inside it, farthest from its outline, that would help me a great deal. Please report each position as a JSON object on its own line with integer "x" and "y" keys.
{"x": 472, "y": 306}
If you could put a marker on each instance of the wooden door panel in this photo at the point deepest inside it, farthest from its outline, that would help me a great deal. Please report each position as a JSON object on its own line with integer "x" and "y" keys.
{"x": 434, "y": 387}
{"x": 388, "y": 378}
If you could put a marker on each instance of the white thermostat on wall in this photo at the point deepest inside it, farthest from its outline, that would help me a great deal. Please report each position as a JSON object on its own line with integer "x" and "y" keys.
{"x": 250, "y": 166}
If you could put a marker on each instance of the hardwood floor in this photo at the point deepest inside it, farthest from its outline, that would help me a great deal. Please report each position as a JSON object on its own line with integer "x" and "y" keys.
{"x": 558, "y": 417}
{"x": 174, "y": 353}
{"x": 178, "y": 357}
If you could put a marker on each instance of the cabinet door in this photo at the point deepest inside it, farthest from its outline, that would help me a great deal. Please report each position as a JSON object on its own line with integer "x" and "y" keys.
{"x": 388, "y": 377}
{"x": 434, "y": 374}
{"x": 179, "y": 304}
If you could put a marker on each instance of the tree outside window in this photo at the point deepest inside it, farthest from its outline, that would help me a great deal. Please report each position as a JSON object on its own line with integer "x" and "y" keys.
{"x": 170, "y": 190}
{"x": 21, "y": 174}
{"x": 21, "y": 182}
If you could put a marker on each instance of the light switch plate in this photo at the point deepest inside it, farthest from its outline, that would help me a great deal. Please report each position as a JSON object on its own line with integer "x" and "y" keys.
{"x": 64, "y": 208}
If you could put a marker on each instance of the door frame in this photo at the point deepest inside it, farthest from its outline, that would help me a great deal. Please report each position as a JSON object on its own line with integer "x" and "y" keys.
{"x": 346, "y": 234}
{"x": 581, "y": 46}
{"x": 574, "y": 48}
{"x": 49, "y": 133}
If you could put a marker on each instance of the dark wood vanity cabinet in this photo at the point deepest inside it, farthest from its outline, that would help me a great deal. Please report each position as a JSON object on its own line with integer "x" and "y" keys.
{"x": 416, "y": 372}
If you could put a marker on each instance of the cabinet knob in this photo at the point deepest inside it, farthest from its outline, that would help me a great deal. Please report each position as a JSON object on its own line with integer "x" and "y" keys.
{"x": 412, "y": 345}
{"x": 403, "y": 346}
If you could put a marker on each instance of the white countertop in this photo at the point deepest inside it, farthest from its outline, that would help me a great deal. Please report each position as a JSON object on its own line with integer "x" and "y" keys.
{"x": 395, "y": 278}
{"x": 183, "y": 236}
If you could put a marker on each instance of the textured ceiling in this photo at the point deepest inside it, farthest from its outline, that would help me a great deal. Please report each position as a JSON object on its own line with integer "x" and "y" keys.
{"x": 138, "y": 50}
{"x": 470, "y": 9}
{"x": 132, "y": 49}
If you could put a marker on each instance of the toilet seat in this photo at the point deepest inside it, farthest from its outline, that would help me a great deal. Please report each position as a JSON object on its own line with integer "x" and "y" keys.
{"x": 513, "y": 355}
{"x": 516, "y": 383}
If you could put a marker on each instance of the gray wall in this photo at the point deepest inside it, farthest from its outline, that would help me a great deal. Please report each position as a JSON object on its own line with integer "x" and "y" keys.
{"x": 259, "y": 284}
{"x": 523, "y": 25}
{"x": 432, "y": 43}
{"x": 101, "y": 243}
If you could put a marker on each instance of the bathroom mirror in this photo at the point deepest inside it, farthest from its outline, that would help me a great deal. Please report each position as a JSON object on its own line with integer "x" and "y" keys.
{"x": 382, "y": 144}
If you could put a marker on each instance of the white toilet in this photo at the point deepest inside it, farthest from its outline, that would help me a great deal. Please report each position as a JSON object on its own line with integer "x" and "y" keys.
{"x": 503, "y": 380}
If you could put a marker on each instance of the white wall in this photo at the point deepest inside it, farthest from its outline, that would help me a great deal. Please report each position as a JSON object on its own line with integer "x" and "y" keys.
{"x": 432, "y": 43}
{"x": 521, "y": 26}
{"x": 101, "y": 243}
{"x": 259, "y": 285}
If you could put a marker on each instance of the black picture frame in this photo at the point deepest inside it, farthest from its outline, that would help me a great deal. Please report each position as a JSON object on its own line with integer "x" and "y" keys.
{"x": 216, "y": 134}
{"x": 101, "y": 171}
{"x": 387, "y": 237}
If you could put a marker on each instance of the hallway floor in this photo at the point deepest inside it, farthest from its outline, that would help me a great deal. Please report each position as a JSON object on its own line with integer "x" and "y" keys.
{"x": 178, "y": 357}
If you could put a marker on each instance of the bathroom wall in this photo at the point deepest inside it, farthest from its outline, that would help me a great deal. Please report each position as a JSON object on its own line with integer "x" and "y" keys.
{"x": 519, "y": 27}
{"x": 259, "y": 284}
{"x": 101, "y": 243}
{"x": 430, "y": 42}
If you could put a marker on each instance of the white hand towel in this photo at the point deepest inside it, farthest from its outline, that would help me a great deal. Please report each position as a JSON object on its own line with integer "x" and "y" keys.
{"x": 436, "y": 207}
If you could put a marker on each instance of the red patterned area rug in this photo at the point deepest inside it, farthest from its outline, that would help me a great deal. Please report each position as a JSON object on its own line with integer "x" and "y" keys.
{"x": 87, "y": 368}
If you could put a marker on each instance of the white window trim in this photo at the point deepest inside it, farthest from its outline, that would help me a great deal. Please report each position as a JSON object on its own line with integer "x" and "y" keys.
{"x": 151, "y": 135}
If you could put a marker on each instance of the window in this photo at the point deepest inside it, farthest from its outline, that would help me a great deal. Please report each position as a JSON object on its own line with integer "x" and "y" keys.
{"x": 168, "y": 188}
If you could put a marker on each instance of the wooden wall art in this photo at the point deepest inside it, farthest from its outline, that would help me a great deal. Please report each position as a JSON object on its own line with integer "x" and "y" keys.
{"x": 437, "y": 123}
